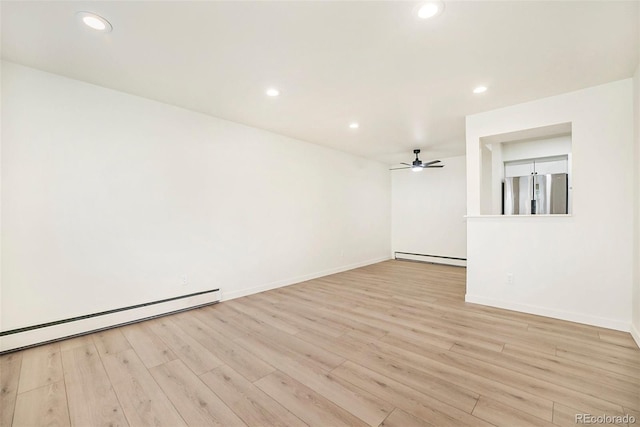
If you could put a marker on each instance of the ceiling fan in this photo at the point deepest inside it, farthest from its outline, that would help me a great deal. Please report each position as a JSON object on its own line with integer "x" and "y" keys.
{"x": 418, "y": 165}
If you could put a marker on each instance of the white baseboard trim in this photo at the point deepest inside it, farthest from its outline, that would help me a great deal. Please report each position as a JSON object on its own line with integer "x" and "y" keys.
{"x": 635, "y": 333}
{"x": 556, "y": 314}
{"x": 402, "y": 256}
{"x": 226, "y": 296}
{"x": 44, "y": 334}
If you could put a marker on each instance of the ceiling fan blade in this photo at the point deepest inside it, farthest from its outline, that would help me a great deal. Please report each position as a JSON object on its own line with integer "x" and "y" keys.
{"x": 430, "y": 163}
{"x": 402, "y": 163}
{"x": 395, "y": 169}
{"x": 433, "y": 166}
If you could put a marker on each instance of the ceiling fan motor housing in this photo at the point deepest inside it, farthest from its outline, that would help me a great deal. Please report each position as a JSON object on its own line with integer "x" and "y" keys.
{"x": 417, "y": 162}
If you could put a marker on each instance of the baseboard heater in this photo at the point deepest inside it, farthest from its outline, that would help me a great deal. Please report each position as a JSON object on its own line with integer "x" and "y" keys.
{"x": 435, "y": 259}
{"x": 30, "y": 336}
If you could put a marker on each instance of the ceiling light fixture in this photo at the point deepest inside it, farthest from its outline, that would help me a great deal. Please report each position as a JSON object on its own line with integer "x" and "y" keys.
{"x": 430, "y": 9}
{"x": 354, "y": 125}
{"x": 480, "y": 89}
{"x": 273, "y": 92}
{"x": 417, "y": 168}
{"x": 95, "y": 22}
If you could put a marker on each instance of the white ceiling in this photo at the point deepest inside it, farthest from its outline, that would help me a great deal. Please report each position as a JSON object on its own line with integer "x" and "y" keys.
{"x": 407, "y": 82}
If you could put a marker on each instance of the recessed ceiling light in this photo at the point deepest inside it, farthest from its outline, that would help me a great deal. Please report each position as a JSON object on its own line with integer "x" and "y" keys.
{"x": 273, "y": 92}
{"x": 95, "y": 22}
{"x": 430, "y": 9}
{"x": 480, "y": 89}
{"x": 354, "y": 125}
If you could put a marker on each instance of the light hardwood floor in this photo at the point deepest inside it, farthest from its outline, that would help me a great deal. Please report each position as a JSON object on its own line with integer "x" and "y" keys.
{"x": 391, "y": 344}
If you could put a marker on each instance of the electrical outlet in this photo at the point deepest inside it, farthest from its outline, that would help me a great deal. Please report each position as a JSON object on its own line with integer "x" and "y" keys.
{"x": 509, "y": 278}
{"x": 184, "y": 280}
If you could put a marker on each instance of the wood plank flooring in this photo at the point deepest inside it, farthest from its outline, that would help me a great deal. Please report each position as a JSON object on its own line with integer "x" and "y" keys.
{"x": 391, "y": 344}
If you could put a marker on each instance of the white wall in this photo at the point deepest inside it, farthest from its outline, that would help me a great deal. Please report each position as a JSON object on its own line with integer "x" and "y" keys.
{"x": 109, "y": 199}
{"x": 575, "y": 267}
{"x": 635, "y": 301}
{"x": 543, "y": 147}
{"x": 428, "y": 209}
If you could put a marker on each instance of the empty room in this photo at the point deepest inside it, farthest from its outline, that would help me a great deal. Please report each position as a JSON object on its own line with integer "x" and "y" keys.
{"x": 320, "y": 213}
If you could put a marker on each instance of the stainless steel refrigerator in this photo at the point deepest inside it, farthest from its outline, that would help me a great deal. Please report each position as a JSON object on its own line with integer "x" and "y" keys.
{"x": 536, "y": 194}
